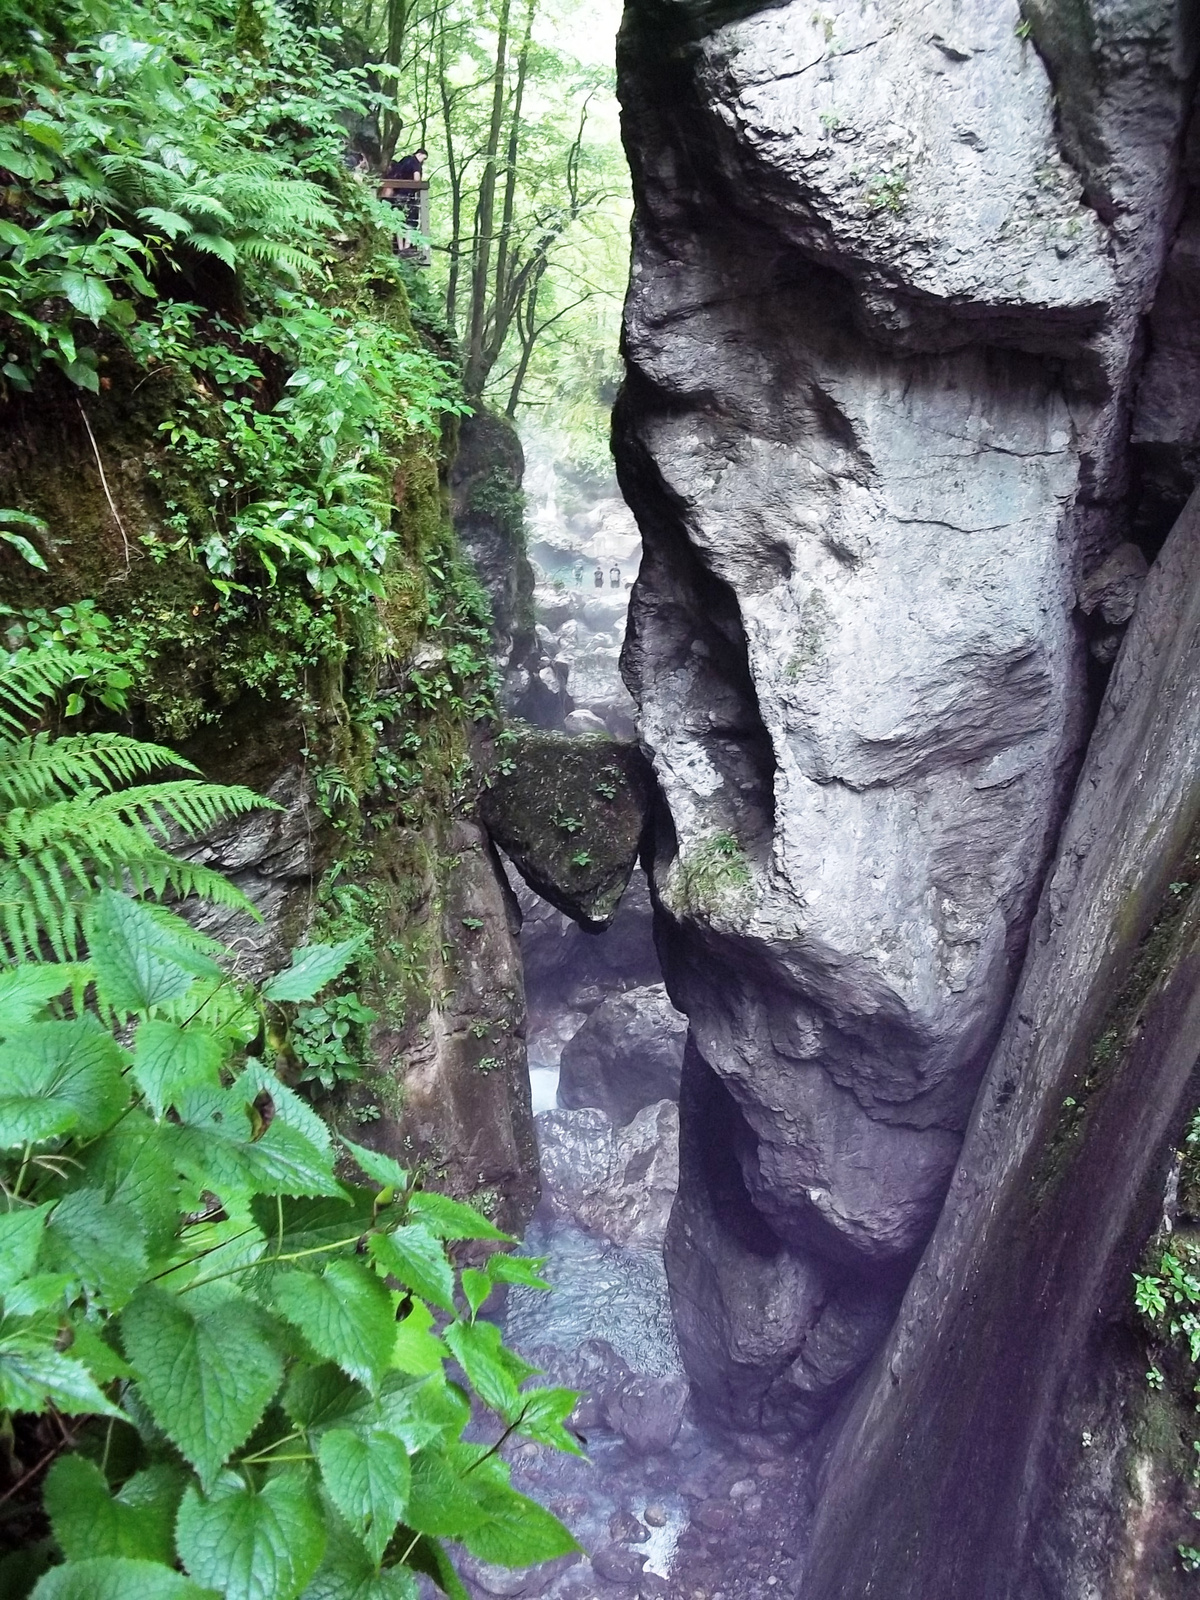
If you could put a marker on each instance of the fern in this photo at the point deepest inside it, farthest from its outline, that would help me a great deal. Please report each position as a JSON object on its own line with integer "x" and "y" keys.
{"x": 74, "y": 818}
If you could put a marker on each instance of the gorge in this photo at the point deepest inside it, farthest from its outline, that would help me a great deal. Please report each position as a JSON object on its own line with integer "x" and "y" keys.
{"x": 766, "y": 878}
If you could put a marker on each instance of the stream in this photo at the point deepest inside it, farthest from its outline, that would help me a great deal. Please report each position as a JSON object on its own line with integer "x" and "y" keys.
{"x": 662, "y": 1506}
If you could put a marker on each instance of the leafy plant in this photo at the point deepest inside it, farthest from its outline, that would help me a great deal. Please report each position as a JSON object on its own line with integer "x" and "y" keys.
{"x": 237, "y": 1348}
{"x": 330, "y": 1038}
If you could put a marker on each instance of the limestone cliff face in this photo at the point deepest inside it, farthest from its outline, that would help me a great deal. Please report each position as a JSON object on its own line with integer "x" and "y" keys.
{"x": 883, "y": 338}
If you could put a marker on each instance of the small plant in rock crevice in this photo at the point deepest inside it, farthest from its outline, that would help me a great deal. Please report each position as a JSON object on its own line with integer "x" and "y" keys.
{"x": 712, "y": 876}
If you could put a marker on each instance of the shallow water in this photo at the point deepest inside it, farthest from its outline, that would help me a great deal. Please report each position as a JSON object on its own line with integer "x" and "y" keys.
{"x": 601, "y": 1291}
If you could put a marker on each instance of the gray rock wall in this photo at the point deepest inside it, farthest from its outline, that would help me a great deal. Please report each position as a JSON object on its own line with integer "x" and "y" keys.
{"x": 999, "y": 1449}
{"x": 882, "y": 337}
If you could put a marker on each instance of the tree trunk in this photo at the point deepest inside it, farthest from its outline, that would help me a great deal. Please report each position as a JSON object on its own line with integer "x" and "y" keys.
{"x": 485, "y": 215}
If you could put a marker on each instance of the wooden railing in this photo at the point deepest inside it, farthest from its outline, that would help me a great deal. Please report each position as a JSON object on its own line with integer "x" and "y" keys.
{"x": 410, "y": 198}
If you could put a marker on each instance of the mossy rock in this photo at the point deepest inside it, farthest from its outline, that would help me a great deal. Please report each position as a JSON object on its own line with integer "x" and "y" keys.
{"x": 570, "y": 814}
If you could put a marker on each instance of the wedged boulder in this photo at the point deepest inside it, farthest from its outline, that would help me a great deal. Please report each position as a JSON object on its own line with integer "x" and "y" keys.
{"x": 569, "y": 814}
{"x": 627, "y": 1055}
{"x": 618, "y": 1182}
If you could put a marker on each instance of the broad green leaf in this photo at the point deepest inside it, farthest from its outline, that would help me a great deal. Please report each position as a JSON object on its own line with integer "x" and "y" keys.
{"x": 33, "y": 1375}
{"x": 313, "y": 966}
{"x": 58, "y": 1077}
{"x": 132, "y": 1164}
{"x": 306, "y": 1223}
{"x": 140, "y": 962}
{"x": 417, "y": 1259}
{"x": 478, "y": 1349}
{"x": 386, "y": 1171}
{"x": 348, "y": 1572}
{"x": 417, "y": 1350}
{"x": 20, "y": 1240}
{"x": 97, "y": 1355}
{"x": 318, "y": 1397}
{"x": 287, "y": 1107}
{"x": 421, "y": 1413}
{"x": 527, "y": 1270}
{"x": 168, "y": 1058}
{"x": 90, "y": 296}
{"x": 39, "y": 1293}
{"x": 98, "y": 1241}
{"x": 450, "y": 1219}
{"x": 543, "y": 1416}
{"x": 512, "y": 1530}
{"x": 215, "y": 1145}
{"x": 115, "y": 1578}
{"x": 367, "y": 1476}
{"x": 345, "y": 1313}
{"x": 476, "y": 1286}
{"x": 426, "y": 1555}
{"x": 253, "y": 1544}
{"x": 440, "y": 1502}
{"x": 206, "y": 1374}
{"x": 26, "y": 990}
{"x": 88, "y": 1520}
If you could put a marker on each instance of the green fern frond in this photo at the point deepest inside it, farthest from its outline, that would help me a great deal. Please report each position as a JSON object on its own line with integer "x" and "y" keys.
{"x": 75, "y": 817}
{"x": 30, "y": 678}
{"x": 41, "y": 768}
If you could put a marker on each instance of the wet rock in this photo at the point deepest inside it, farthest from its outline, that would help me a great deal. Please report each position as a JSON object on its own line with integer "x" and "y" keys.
{"x": 626, "y": 1056}
{"x": 715, "y": 1515}
{"x": 624, "y": 1528}
{"x": 617, "y": 1564}
{"x": 647, "y": 1412}
{"x": 970, "y": 1428}
{"x": 742, "y": 1488}
{"x": 577, "y": 722}
{"x": 529, "y": 1582}
{"x": 655, "y": 1516}
{"x": 1112, "y": 590}
{"x": 619, "y": 1182}
{"x": 569, "y": 815}
{"x": 563, "y": 962}
{"x": 651, "y": 1586}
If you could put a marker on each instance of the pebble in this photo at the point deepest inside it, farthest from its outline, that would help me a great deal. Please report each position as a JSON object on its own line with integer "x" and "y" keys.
{"x": 741, "y": 1489}
{"x": 624, "y": 1528}
{"x": 655, "y": 1516}
{"x": 715, "y": 1515}
{"x": 752, "y": 1505}
{"x": 617, "y": 1564}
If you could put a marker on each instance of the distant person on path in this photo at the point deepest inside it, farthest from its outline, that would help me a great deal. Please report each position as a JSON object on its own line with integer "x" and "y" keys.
{"x": 410, "y": 169}
{"x": 578, "y": 573}
{"x": 614, "y": 576}
{"x": 598, "y": 577}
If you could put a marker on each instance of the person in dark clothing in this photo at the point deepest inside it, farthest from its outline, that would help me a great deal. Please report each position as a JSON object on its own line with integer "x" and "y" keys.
{"x": 598, "y": 577}
{"x": 410, "y": 169}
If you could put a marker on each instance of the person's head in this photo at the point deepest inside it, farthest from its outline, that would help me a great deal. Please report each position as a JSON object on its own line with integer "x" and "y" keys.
{"x": 421, "y": 155}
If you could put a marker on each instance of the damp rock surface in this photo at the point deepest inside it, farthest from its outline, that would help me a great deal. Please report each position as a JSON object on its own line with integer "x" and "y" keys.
{"x": 626, "y": 1056}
